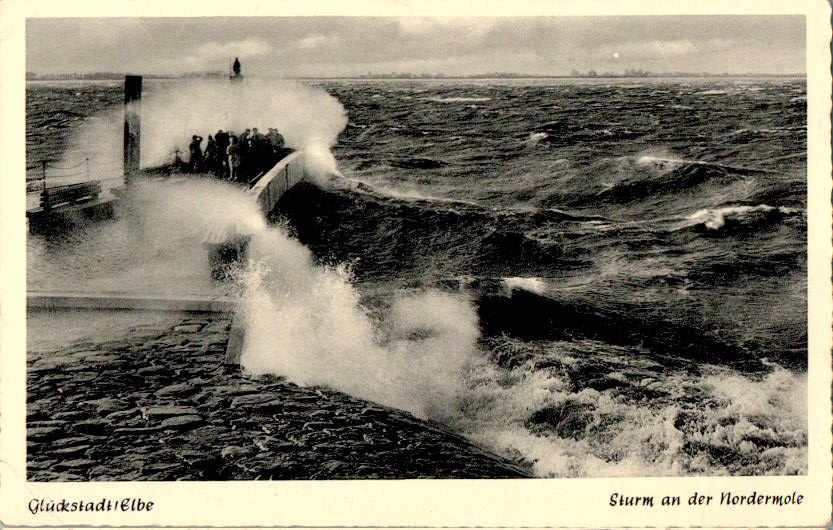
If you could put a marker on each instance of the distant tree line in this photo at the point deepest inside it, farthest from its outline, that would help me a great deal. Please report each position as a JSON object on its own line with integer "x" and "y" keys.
{"x": 573, "y": 73}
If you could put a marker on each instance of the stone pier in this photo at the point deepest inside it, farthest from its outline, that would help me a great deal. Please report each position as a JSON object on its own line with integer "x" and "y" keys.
{"x": 158, "y": 403}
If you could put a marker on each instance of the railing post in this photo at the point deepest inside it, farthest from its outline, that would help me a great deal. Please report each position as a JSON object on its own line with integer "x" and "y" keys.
{"x": 44, "y": 199}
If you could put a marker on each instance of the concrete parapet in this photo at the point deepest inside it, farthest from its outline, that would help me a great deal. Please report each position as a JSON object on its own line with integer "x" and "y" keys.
{"x": 236, "y": 339}
{"x": 63, "y": 300}
{"x": 284, "y": 175}
{"x": 120, "y": 301}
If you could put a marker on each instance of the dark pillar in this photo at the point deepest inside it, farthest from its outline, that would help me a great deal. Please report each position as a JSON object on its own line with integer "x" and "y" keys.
{"x": 132, "y": 112}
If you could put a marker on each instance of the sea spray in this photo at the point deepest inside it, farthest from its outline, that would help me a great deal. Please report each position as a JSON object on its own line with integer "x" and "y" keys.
{"x": 157, "y": 245}
{"x": 190, "y": 205}
{"x": 593, "y": 433}
{"x": 305, "y": 321}
{"x": 173, "y": 111}
{"x": 319, "y": 163}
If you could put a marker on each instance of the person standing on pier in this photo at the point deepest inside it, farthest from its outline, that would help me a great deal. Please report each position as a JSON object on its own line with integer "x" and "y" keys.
{"x": 259, "y": 152}
{"x": 196, "y": 154}
{"x": 233, "y": 153}
{"x": 222, "y": 139}
{"x": 276, "y": 143}
{"x": 212, "y": 158}
{"x": 275, "y": 138}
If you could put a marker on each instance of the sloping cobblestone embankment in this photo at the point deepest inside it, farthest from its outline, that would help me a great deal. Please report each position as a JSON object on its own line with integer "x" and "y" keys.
{"x": 158, "y": 404}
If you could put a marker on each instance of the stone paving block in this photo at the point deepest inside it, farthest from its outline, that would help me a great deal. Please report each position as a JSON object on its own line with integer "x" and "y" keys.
{"x": 44, "y": 434}
{"x": 177, "y": 390}
{"x": 182, "y": 422}
{"x": 73, "y": 465}
{"x": 71, "y": 451}
{"x": 189, "y": 328}
{"x": 166, "y": 411}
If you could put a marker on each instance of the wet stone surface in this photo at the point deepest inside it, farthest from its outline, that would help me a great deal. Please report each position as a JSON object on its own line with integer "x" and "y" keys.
{"x": 158, "y": 404}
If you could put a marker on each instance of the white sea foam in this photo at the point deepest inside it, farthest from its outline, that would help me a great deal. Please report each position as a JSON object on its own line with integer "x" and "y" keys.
{"x": 304, "y": 321}
{"x": 715, "y": 218}
{"x": 654, "y": 160}
{"x": 168, "y": 222}
{"x": 411, "y": 194}
{"x": 535, "y": 137}
{"x": 531, "y": 284}
{"x": 620, "y": 438}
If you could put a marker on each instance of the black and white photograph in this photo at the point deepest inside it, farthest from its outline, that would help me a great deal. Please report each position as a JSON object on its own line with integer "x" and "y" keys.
{"x": 363, "y": 248}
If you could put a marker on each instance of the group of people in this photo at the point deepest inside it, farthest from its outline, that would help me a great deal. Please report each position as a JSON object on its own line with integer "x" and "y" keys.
{"x": 236, "y": 158}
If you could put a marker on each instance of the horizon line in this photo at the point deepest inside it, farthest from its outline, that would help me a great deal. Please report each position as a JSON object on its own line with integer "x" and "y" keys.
{"x": 103, "y": 76}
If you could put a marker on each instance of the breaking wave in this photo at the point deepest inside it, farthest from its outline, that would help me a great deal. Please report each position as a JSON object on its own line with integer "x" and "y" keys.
{"x": 423, "y": 351}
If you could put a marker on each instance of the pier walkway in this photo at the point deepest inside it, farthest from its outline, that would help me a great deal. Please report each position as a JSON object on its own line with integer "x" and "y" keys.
{"x": 155, "y": 402}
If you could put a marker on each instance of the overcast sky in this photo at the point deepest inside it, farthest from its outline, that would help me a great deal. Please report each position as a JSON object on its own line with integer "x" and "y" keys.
{"x": 343, "y": 46}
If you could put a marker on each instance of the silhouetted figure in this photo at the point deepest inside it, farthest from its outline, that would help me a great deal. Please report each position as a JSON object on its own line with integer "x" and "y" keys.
{"x": 259, "y": 152}
{"x": 222, "y": 139}
{"x": 235, "y": 70}
{"x": 212, "y": 158}
{"x": 196, "y": 154}
{"x": 244, "y": 149}
{"x": 275, "y": 138}
{"x": 276, "y": 144}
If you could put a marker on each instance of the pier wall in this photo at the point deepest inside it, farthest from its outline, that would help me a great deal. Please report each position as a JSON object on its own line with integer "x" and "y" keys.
{"x": 286, "y": 173}
{"x": 49, "y": 301}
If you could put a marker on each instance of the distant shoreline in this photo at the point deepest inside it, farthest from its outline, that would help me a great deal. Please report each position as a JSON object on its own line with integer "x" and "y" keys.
{"x": 116, "y": 77}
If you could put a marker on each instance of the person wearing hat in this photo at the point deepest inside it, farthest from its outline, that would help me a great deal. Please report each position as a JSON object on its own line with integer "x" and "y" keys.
{"x": 196, "y": 154}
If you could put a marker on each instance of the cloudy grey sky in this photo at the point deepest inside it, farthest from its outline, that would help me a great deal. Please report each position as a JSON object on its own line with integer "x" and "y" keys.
{"x": 343, "y": 46}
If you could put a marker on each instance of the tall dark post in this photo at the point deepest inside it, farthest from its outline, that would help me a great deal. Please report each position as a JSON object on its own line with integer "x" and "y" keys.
{"x": 132, "y": 126}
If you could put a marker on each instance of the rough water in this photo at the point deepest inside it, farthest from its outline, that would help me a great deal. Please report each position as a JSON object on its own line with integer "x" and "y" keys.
{"x": 598, "y": 278}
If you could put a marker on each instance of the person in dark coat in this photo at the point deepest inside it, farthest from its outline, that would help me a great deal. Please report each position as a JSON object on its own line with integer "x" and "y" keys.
{"x": 260, "y": 152}
{"x": 222, "y": 139}
{"x": 196, "y": 154}
{"x": 212, "y": 161}
{"x": 275, "y": 138}
{"x": 276, "y": 144}
{"x": 243, "y": 148}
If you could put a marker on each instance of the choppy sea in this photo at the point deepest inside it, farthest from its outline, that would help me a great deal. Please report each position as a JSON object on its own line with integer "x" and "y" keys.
{"x": 597, "y": 277}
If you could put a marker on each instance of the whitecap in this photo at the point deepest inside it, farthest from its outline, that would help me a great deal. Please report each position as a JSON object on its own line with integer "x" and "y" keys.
{"x": 531, "y": 284}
